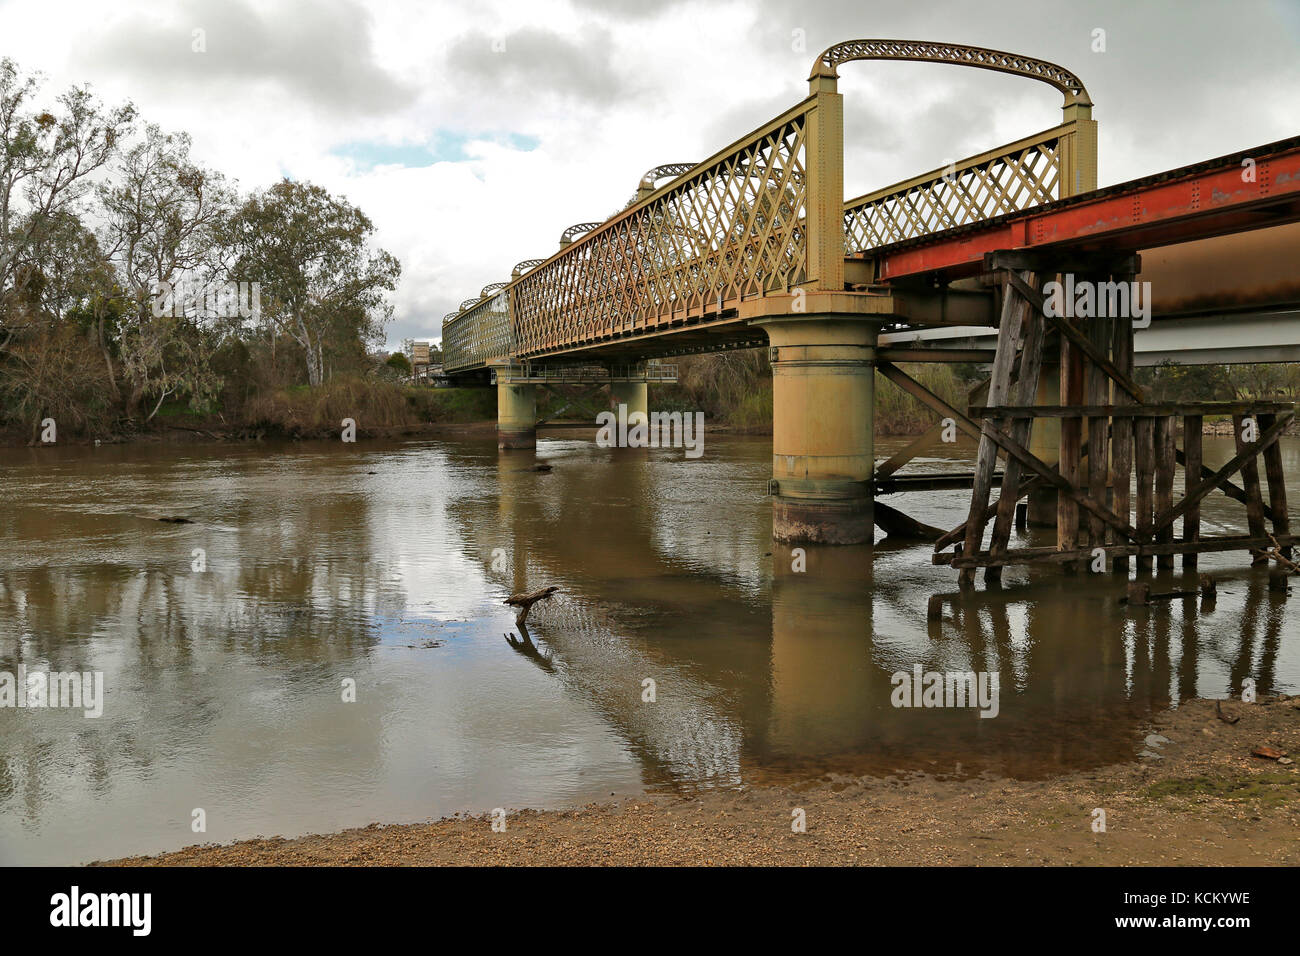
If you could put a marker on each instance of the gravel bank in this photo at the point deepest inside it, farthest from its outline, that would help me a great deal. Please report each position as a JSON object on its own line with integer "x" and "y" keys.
{"x": 1202, "y": 799}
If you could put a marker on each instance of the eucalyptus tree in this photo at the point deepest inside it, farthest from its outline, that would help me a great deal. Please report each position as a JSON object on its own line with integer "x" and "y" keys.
{"x": 164, "y": 217}
{"x": 322, "y": 283}
{"x": 47, "y": 165}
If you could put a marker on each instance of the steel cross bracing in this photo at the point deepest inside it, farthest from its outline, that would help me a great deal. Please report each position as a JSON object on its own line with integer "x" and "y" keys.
{"x": 761, "y": 218}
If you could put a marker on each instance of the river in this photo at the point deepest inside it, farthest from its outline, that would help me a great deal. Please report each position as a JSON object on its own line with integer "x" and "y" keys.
{"x": 227, "y": 645}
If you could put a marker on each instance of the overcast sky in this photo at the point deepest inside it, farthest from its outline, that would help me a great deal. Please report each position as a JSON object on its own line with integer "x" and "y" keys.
{"x": 472, "y": 133}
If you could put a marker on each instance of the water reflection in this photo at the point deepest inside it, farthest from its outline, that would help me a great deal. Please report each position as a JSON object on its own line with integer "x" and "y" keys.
{"x": 387, "y": 565}
{"x": 664, "y": 568}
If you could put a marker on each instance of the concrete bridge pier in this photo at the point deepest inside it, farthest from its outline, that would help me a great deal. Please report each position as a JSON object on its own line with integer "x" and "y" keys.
{"x": 1045, "y": 442}
{"x": 516, "y": 412}
{"x": 635, "y": 395}
{"x": 823, "y": 399}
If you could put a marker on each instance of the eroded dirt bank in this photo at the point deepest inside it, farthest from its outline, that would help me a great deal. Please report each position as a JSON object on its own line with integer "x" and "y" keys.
{"x": 1206, "y": 800}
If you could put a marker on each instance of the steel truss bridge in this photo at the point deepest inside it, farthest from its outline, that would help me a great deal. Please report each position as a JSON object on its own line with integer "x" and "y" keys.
{"x": 692, "y": 262}
{"x": 758, "y": 246}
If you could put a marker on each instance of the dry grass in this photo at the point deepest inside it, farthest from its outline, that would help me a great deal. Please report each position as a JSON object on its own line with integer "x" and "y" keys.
{"x": 306, "y": 412}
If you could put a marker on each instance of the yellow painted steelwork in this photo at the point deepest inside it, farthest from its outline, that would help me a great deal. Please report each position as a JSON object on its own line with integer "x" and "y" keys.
{"x": 758, "y": 233}
{"x": 767, "y": 214}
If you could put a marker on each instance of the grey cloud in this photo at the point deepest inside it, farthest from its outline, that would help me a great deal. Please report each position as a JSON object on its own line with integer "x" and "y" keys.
{"x": 1178, "y": 82}
{"x": 318, "y": 51}
{"x": 628, "y": 9}
{"x": 539, "y": 62}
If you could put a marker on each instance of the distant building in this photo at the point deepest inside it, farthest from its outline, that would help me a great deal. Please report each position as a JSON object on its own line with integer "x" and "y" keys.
{"x": 420, "y": 359}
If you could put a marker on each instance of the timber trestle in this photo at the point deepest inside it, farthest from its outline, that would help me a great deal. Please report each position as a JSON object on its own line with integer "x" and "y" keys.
{"x": 1118, "y": 455}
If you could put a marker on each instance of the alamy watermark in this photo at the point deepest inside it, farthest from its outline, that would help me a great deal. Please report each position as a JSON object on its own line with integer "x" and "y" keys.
{"x": 76, "y": 690}
{"x": 1088, "y": 300}
{"x": 655, "y": 430}
{"x": 224, "y": 300}
{"x": 950, "y": 689}
{"x": 129, "y": 910}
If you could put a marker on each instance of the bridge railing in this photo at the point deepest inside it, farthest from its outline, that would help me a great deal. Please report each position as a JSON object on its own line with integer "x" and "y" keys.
{"x": 733, "y": 226}
{"x": 767, "y": 214}
{"x": 478, "y": 335}
{"x": 1029, "y": 172}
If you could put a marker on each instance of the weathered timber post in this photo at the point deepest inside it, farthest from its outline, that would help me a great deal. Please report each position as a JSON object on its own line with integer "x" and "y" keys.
{"x": 1072, "y": 393}
{"x": 1098, "y": 393}
{"x": 1032, "y": 330}
{"x": 1144, "y": 431}
{"x": 1163, "y": 440}
{"x": 1122, "y": 440}
{"x": 1192, "y": 427}
{"x": 1276, "y": 485}
{"x": 1250, "y": 483}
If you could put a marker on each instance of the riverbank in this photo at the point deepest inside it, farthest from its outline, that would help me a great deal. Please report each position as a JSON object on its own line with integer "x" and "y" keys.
{"x": 223, "y": 433}
{"x": 1199, "y": 797}
{"x": 216, "y": 432}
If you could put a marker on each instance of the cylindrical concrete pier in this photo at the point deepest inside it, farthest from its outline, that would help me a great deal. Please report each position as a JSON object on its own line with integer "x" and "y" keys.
{"x": 823, "y": 399}
{"x": 516, "y": 414}
{"x": 635, "y": 395}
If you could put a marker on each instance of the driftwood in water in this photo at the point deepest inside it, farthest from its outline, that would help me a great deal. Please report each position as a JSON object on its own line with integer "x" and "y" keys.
{"x": 895, "y": 524}
{"x": 525, "y": 602}
{"x": 1279, "y": 554}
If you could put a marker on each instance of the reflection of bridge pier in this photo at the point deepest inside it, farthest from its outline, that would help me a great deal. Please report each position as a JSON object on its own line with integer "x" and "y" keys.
{"x": 784, "y": 673}
{"x": 824, "y": 684}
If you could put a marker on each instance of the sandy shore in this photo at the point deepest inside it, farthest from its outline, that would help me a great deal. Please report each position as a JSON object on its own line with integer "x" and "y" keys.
{"x": 1205, "y": 801}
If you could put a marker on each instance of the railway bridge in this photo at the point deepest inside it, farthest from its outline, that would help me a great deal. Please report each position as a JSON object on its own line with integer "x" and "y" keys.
{"x": 757, "y": 245}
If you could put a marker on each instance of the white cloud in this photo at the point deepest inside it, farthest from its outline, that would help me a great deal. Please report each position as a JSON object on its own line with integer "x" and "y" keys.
{"x": 606, "y": 92}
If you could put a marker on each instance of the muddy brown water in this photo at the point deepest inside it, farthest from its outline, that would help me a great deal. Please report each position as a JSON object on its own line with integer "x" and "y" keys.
{"x": 385, "y": 564}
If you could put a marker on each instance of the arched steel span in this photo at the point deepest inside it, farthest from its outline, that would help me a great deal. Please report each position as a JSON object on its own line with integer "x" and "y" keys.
{"x": 1055, "y": 76}
{"x": 492, "y": 287}
{"x": 652, "y": 176}
{"x": 450, "y": 315}
{"x": 522, "y": 267}
{"x": 468, "y": 302}
{"x": 574, "y": 231}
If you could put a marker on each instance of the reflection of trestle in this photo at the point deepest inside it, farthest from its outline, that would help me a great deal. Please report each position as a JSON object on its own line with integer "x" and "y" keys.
{"x": 1109, "y": 437}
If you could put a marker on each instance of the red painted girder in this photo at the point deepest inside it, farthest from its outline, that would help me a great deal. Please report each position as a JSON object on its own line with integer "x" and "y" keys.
{"x": 1195, "y": 202}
